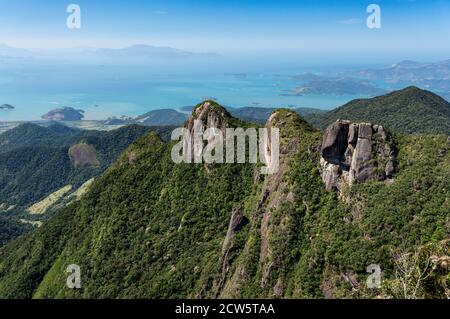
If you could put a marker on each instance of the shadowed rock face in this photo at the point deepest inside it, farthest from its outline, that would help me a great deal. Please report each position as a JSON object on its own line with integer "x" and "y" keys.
{"x": 237, "y": 222}
{"x": 335, "y": 143}
{"x": 355, "y": 153}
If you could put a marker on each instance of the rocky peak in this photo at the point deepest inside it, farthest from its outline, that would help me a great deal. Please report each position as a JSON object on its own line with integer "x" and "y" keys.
{"x": 355, "y": 153}
{"x": 209, "y": 114}
{"x": 206, "y": 115}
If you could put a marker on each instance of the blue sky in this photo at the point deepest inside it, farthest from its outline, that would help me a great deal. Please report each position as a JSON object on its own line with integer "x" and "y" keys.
{"x": 410, "y": 28}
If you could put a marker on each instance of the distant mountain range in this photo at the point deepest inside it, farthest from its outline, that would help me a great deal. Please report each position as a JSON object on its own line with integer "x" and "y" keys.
{"x": 138, "y": 52}
{"x": 261, "y": 115}
{"x": 408, "y": 71}
{"x": 371, "y": 82}
{"x": 316, "y": 84}
{"x": 431, "y": 76}
{"x": 406, "y": 111}
{"x": 174, "y": 117}
{"x": 7, "y": 51}
{"x": 410, "y": 110}
{"x": 141, "y": 51}
{"x": 152, "y": 118}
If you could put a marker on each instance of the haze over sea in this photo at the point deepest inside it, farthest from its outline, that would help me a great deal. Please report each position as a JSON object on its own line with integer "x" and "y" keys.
{"x": 105, "y": 90}
{"x": 259, "y": 46}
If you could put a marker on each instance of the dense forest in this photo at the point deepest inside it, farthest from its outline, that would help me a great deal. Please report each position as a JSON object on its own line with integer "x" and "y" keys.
{"x": 149, "y": 228}
{"x": 37, "y": 161}
{"x": 406, "y": 111}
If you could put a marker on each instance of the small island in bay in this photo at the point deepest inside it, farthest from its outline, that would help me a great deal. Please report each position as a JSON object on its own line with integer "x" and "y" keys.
{"x": 6, "y": 107}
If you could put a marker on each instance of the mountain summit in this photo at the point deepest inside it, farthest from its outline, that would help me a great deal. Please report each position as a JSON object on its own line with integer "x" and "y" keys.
{"x": 407, "y": 111}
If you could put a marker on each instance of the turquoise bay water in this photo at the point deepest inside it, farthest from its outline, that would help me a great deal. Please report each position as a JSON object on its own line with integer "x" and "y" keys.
{"x": 104, "y": 91}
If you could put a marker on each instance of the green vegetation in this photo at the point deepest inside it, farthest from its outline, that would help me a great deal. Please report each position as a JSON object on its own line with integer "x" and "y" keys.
{"x": 29, "y": 174}
{"x": 40, "y": 161}
{"x": 30, "y": 135}
{"x": 132, "y": 218}
{"x": 342, "y": 240}
{"x": 408, "y": 111}
{"x": 10, "y": 229}
{"x": 59, "y": 135}
{"x": 149, "y": 228}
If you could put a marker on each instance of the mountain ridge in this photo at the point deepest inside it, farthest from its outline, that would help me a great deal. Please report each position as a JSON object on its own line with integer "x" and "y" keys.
{"x": 149, "y": 228}
{"x": 410, "y": 110}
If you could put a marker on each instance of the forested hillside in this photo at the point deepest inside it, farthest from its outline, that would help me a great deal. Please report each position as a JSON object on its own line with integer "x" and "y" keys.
{"x": 43, "y": 167}
{"x": 407, "y": 111}
{"x": 149, "y": 228}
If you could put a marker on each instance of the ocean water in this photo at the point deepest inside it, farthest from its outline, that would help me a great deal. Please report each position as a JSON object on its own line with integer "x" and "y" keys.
{"x": 114, "y": 90}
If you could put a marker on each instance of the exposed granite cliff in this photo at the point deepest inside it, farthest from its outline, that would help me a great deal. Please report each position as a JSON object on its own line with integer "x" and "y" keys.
{"x": 355, "y": 153}
{"x": 209, "y": 114}
{"x": 205, "y": 115}
{"x": 266, "y": 218}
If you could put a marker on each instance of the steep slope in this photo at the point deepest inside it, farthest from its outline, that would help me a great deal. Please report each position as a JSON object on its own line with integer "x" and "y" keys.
{"x": 407, "y": 111}
{"x": 28, "y": 174}
{"x": 31, "y": 175}
{"x": 173, "y": 215}
{"x": 149, "y": 228}
{"x": 10, "y": 229}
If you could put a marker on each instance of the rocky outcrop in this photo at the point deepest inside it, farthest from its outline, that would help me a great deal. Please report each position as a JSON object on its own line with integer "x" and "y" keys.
{"x": 355, "y": 153}
{"x": 209, "y": 114}
{"x": 275, "y": 192}
{"x": 206, "y": 115}
{"x": 237, "y": 221}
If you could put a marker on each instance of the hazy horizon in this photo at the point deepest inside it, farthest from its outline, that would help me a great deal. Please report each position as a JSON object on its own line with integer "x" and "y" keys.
{"x": 241, "y": 52}
{"x": 307, "y": 28}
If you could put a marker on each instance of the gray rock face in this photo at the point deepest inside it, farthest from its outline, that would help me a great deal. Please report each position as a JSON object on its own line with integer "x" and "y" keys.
{"x": 355, "y": 153}
{"x": 237, "y": 221}
{"x": 210, "y": 115}
{"x": 206, "y": 115}
{"x": 335, "y": 142}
